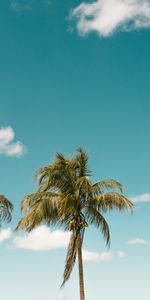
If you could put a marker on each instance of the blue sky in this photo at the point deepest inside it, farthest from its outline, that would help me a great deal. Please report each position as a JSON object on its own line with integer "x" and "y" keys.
{"x": 72, "y": 74}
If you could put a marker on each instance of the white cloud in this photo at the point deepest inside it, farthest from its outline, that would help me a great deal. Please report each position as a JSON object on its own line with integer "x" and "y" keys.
{"x": 141, "y": 198}
{"x": 120, "y": 254}
{"x": 101, "y": 257}
{"x": 42, "y": 239}
{"x": 108, "y": 16}
{"x": 138, "y": 241}
{"x": 7, "y": 145}
{"x": 5, "y": 234}
{"x": 61, "y": 296}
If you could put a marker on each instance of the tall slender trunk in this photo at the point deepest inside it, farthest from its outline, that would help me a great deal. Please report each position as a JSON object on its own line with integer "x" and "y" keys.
{"x": 80, "y": 265}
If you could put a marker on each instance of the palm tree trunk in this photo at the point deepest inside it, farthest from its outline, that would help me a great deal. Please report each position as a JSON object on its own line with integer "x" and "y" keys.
{"x": 80, "y": 265}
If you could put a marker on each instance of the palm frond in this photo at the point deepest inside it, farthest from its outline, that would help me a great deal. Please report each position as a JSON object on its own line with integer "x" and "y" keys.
{"x": 109, "y": 201}
{"x": 81, "y": 162}
{"x": 41, "y": 208}
{"x": 41, "y": 173}
{"x": 71, "y": 255}
{"x": 68, "y": 207}
{"x": 93, "y": 216}
{"x": 29, "y": 201}
{"x": 83, "y": 189}
{"x": 6, "y": 208}
{"x": 76, "y": 238}
{"x": 57, "y": 177}
{"x": 106, "y": 184}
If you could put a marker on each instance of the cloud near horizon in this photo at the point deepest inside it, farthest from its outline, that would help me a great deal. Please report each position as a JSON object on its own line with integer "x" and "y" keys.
{"x": 101, "y": 256}
{"x": 7, "y": 145}
{"x": 138, "y": 241}
{"x": 141, "y": 198}
{"x": 105, "y": 17}
{"x": 61, "y": 296}
{"x": 43, "y": 239}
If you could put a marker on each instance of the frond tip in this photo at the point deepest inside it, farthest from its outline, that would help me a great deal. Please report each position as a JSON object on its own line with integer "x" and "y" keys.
{"x": 108, "y": 184}
{"x": 110, "y": 201}
{"x": 94, "y": 217}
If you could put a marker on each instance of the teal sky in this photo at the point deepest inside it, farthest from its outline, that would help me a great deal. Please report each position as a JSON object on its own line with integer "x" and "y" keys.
{"x": 60, "y": 89}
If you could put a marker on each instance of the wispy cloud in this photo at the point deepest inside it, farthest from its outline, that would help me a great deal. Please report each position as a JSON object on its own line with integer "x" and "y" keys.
{"x": 5, "y": 234}
{"x": 108, "y": 16}
{"x": 102, "y": 256}
{"x": 7, "y": 145}
{"x": 141, "y": 198}
{"x": 42, "y": 239}
{"x": 20, "y": 6}
{"x": 138, "y": 241}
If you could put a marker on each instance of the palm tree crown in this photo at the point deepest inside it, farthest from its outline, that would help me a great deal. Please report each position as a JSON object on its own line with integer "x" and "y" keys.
{"x": 67, "y": 197}
{"x": 6, "y": 208}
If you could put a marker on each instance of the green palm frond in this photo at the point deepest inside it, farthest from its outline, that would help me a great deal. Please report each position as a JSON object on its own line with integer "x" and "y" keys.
{"x": 71, "y": 255}
{"x": 26, "y": 222}
{"x": 6, "y": 208}
{"x": 42, "y": 173}
{"x": 83, "y": 188}
{"x": 59, "y": 176}
{"x": 68, "y": 206}
{"x": 29, "y": 201}
{"x": 94, "y": 217}
{"x": 80, "y": 162}
{"x": 109, "y": 201}
{"x": 41, "y": 208}
{"x": 106, "y": 184}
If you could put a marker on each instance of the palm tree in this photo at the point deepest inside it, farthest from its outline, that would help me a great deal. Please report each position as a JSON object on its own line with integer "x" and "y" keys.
{"x": 6, "y": 208}
{"x": 66, "y": 196}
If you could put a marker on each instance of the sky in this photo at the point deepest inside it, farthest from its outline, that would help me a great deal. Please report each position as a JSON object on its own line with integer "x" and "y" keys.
{"x": 73, "y": 74}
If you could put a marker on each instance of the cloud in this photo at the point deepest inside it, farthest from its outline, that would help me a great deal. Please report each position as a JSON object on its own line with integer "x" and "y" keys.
{"x": 20, "y": 6}
{"x": 141, "y": 198}
{"x": 120, "y": 254}
{"x": 61, "y": 296}
{"x": 108, "y": 16}
{"x": 138, "y": 241}
{"x": 5, "y": 234}
{"x": 42, "y": 239}
{"x": 101, "y": 257}
{"x": 7, "y": 145}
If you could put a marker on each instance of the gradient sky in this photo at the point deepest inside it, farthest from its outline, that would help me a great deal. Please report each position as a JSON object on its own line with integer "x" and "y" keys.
{"x": 60, "y": 88}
